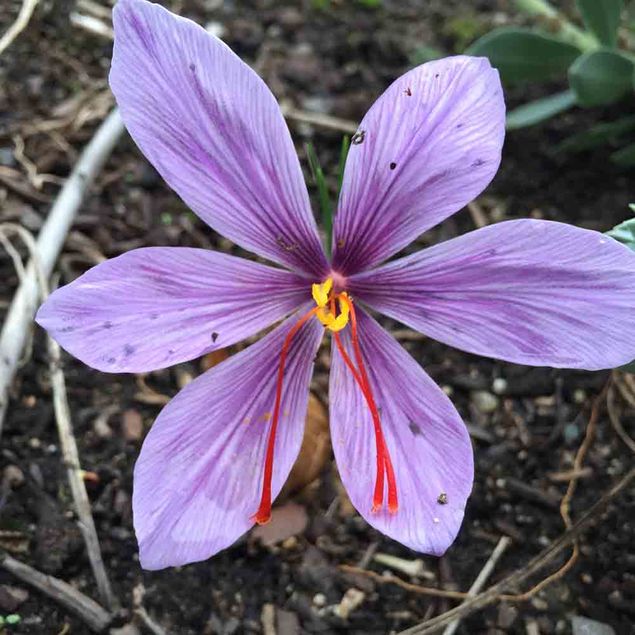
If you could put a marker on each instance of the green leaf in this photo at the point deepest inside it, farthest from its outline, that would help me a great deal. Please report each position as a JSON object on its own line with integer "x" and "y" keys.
{"x": 602, "y": 17}
{"x": 425, "y": 54}
{"x": 625, "y": 157}
{"x": 624, "y": 233}
{"x": 601, "y": 77}
{"x": 326, "y": 208}
{"x": 597, "y": 135}
{"x": 346, "y": 144}
{"x": 536, "y": 111}
{"x": 524, "y": 55}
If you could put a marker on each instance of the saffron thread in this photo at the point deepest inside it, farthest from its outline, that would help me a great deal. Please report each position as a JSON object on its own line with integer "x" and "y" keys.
{"x": 384, "y": 463}
{"x": 263, "y": 515}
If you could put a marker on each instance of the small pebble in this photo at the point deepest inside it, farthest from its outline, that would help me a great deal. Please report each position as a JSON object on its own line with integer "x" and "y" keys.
{"x": 128, "y": 629}
{"x": 11, "y": 597}
{"x": 290, "y": 543}
{"x": 579, "y": 396}
{"x": 217, "y": 29}
{"x": 13, "y": 476}
{"x": 319, "y": 600}
{"x": 101, "y": 429}
{"x": 6, "y": 157}
{"x": 507, "y": 615}
{"x": 585, "y": 626}
{"x": 183, "y": 376}
{"x": 132, "y": 425}
{"x": 484, "y": 401}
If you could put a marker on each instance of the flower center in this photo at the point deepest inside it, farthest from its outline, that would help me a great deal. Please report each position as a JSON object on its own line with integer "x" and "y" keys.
{"x": 325, "y": 302}
{"x": 325, "y": 310}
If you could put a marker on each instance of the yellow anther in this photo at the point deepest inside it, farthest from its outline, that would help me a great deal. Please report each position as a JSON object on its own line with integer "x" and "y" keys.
{"x": 342, "y": 319}
{"x": 327, "y": 318}
{"x": 321, "y": 292}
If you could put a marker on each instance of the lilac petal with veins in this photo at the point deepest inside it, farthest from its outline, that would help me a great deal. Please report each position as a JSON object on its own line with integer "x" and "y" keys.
{"x": 428, "y": 443}
{"x": 527, "y": 291}
{"x": 215, "y": 133}
{"x": 156, "y": 306}
{"x": 198, "y": 479}
{"x": 427, "y": 147}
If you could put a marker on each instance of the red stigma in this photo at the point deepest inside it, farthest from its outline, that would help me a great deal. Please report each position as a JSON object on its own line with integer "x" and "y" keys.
{"x": 263, "y": 515}
{"x": 384, "y": 463}
{"x": 385, "y": 471}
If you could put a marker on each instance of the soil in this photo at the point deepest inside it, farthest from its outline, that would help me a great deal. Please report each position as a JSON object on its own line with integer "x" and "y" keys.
{"x": 527, "y": 423}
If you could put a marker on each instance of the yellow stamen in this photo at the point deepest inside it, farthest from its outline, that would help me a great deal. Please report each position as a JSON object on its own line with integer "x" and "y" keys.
{"x": 322, "y": 296}
{"x": 321, "y": 292}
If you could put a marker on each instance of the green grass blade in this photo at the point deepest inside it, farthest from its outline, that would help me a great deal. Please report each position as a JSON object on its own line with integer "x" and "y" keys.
{"x": 326, "y": 207}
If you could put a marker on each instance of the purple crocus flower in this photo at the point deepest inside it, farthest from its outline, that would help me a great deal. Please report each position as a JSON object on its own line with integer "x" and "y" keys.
{"x": 527, "y": 291}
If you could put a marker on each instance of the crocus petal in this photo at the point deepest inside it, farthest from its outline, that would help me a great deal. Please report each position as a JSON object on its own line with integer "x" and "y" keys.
{"x": 428, "y": 443}
{"x": 215, "y": 133}
{"x": 428, "y": 146}
{"x": 198, "y": 479}
{"x": 157, "y": 306}
{"x": 528, "y": 291}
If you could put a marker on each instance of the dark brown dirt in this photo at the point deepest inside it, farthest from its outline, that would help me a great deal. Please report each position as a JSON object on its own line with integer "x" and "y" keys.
{"x": 337, "y": 60}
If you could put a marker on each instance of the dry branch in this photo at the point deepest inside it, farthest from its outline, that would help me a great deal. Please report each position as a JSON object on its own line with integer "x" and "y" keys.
{"x": 74, "y": 473}
{"x": 482, "y": 578}
{"x": 21, "y": 22}
{"x": 49, "y": 244}
{"x": 514, "y": 580}
{"x": 81, "y": 605}
{"x": 393, "y": 579}
{"x": 68, "y": 443}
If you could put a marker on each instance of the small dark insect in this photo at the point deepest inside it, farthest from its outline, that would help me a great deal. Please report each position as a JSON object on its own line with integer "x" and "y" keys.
{"x": 214, "y": 336}
{"x": 393, "y": 165}
{"x": 358, "y": 137}
{"x": 442, "y": 499}
{"x": 287, "y": 246}
{"x": 436, "y": 75}
{"x": 408, "y": 92}
{"x": 415, "y": 429}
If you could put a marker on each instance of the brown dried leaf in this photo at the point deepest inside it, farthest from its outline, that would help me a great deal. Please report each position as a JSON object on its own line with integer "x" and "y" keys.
{"x": 315, "y": 450}
{"x": 213, "y": 359}
{"x": 286, "y": 521}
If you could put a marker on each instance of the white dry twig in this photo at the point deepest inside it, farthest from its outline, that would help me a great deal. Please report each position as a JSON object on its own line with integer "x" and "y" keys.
{"x": 92, "y": 24}
{"x": 482, "y": 578}
{"x": 68, "y": 443}
{"x": 19, "y": 318}
{"x": 21, "y": 22}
